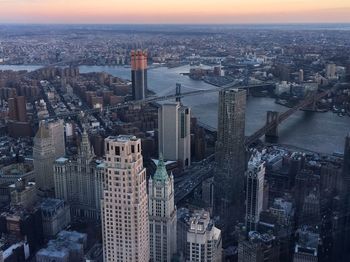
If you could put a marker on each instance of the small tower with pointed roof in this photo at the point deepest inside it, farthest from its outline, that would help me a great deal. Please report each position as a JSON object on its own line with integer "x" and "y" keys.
{"x": 86, "y": 151}
{"x": 162, "y": 214}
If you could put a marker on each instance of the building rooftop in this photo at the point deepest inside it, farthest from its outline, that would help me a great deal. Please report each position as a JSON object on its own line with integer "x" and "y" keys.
{"x": 255, "y": 236}
{"x": 65, "y": 241}
{"x": 61, "y": 160}
{"x": 161, "y": 174}
{"x": 51, "y": 203}
{"x": 123, "y": 138}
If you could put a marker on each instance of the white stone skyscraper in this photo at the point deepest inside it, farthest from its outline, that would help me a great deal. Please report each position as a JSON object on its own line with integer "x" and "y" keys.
{"x": 125, "y": 224}
{"x": 43, "y": 157}
{"x": 162, "y": 215}
{"x": 174, "y": 125}
{"x": 255, "y": 176}
{"x": 204, "y": 241}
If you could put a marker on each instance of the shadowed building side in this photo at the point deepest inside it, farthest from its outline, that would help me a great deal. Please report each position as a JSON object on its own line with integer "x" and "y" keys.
{"x": 230, "y": 156}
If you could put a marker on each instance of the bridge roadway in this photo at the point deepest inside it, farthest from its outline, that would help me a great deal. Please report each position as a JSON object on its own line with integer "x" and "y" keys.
{"x": 152, "y": 100}
{"x": 193, "y": 180}
{"x": 282, "y": 117}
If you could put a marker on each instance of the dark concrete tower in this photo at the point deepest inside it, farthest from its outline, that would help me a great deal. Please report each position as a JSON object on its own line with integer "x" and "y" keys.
{"x": 346, "y": 165}
{"x": 139, "y": 74}
{"x": 230, "y": 156}
{"x": 346, "y": 200}
{"x": 17, "y": 109}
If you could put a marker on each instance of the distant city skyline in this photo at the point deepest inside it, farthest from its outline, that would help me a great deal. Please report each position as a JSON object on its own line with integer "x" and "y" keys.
{"x": 170, "y": 11}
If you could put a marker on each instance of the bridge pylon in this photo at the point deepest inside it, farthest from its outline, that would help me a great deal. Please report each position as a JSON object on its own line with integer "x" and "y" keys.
{"x": 178, "y": 92}
{"x": 272, "y": 119}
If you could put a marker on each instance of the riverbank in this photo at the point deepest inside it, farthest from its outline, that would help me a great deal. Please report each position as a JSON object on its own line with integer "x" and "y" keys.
{"x": 316, "y": 132}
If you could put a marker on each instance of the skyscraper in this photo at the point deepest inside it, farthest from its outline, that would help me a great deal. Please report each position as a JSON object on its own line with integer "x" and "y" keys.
{"x": 17, "y": 108}
{"x": 203, "y": 239}
{"x": 125, "y": 224}
{"x": 162, "y": 215}
{"x": 230, "y": 156}
{"x": 139, "y": 74}
{"x": 43, "y": 157}
{"x": 331, "y": 70}
{"x": 346, "y": 198}
{"x": 174, "y": 132}
{"x": 56, "y": 128}
{"x": 258, "y": 248}
{"x": 346, "y": 164}
{"x": 49, "y": 145}
{"x": 18, "y": 126}
{"x": 79, "y": 181}
{"x": 254, "y": 191}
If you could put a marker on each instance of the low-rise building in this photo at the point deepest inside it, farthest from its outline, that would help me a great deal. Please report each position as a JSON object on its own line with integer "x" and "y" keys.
{"x": 55, "y": 216}
{"x": 67, "y": 247}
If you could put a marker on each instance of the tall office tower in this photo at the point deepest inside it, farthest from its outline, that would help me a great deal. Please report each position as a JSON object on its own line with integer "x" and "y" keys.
{"x": 139, "y": 74}
{"x": 18, "y": 126}
{"x": 254, "y": 191}
{"x": 43, "y": 157}
{"x": 301, "y": 76}
{"x": 346, "y": 163}
{"x": 17, "y": 109}
{"x": 230, "y": 156}
{"x": 162, "y": 215}
{"x": 307, "y": 247}
{"x": 346, "y": 197}
{"x": 174, "y": 122}
{"x": 203, "y": 239}
{"x": 258, "y": 248}
{"x": 79, "y": 181}
{"x": 56, "y": 128}
{"x": 125, "y": 224}
{"x": 331, "y": 71}
{"x": 347, "y": 71}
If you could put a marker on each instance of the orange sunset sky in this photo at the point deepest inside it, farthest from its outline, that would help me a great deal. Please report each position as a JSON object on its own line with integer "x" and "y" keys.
{"x": 174, "y": 11}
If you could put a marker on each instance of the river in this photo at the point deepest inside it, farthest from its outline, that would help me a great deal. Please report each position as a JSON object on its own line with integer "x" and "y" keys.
{"x": 320, "y": 132}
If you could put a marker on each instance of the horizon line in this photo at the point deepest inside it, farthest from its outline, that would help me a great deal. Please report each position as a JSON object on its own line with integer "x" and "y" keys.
{"x": 172, "y": 23}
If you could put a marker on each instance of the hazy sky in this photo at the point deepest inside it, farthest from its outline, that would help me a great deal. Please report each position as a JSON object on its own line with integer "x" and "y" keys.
{"x": 174, "y": 11}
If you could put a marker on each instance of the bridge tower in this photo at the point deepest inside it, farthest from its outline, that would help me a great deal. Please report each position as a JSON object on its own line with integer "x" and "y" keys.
{"x": 272, "y": 118}
{"x": 178, "y": 92}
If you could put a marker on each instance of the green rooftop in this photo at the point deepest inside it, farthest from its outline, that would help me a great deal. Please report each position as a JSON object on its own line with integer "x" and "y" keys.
{"x": 161, "y": 174}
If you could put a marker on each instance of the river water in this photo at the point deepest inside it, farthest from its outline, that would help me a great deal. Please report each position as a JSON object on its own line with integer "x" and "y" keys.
{"x": 321, "y": 132}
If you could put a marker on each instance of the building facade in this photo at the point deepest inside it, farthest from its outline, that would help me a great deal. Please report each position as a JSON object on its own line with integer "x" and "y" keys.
{"x": 139, "y": 74}
{"x": 56, "y": 129}
{"x": 43, "y": 158}
{"x": 255, "y": 176}
{"x": 79, "y": 181}
{"x": 125, "y": 222}
{"x": 174, "y": 125}
{"x": 230, "y": 156}
{"x": 55, "y": 215}
{"x": 162, "y": 215}
{"x": 203, "y": 239}
{"x": 258, "y": 248}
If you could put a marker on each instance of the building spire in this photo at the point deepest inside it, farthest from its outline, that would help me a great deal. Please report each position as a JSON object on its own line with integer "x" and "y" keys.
{"x": 85, "y": 146}
{"x": 161, "y": 174}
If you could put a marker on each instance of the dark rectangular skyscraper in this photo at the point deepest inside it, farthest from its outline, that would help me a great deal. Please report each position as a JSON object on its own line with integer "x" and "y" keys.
{"x": 230, "y": 155}
{"x": 17, "y": 109}
{"x": 139, "y": 74}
